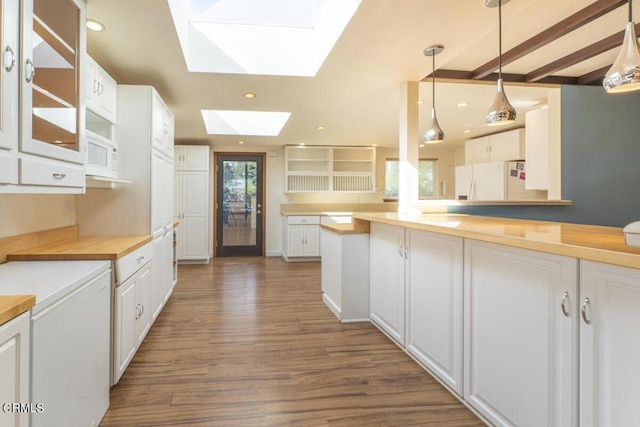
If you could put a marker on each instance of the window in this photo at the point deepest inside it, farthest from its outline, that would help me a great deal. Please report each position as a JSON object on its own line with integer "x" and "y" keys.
{"x": 426, "y": 178}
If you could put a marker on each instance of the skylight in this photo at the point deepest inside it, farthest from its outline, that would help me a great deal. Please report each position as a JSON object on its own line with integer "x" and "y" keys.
{"x": 229, "y": 122}
{"x": 275, "y": 37}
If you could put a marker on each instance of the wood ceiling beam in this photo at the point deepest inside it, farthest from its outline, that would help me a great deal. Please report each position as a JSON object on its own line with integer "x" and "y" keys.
{"x": 466, "y": 76}
{"x": 594, "y": 77}
{"x": 573, "y": 22}
{"x": 578, "y": 56}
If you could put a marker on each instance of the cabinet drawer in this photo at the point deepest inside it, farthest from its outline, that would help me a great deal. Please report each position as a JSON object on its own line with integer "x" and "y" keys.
{"x": 51, "y": 173}
{"x": 303, "y": 219}
{"x": 129, "y": 264}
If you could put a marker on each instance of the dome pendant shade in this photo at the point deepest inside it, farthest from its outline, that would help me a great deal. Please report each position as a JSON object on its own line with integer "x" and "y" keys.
{"x": 434, "y": 133}
{"x": 624, "y": 74}
{"x": 501, "y": 111}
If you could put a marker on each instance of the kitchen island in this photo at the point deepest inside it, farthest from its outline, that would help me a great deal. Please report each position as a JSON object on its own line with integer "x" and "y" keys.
{"x": 527, "y": 322}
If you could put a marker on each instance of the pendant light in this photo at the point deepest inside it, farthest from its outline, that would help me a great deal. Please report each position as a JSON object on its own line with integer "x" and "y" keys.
{"x": 501, "y": 111}
{"x": 624, "y": 74}
{"x": 434, "y": 133}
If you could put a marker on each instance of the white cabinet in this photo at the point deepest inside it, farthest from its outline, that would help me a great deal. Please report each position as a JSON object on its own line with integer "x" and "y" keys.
{"x": 319, "y": 169}
{"x": 161, "y": 192}
{"x": 14, "y": 369}
{"x": 301, "y": 237}
{"x": 9, "y": 92}
{"x": 609, "y": 348}
{"x": 520, "y": 346}
{"x": 191, "y": 157}
{"x": 345, "y": 275}
{"x": 132, "y": 317}
{"x": 191, "y": 202}
{"x": 387, "y": 284}
{"x": 42, "y": 96}
{"x": 101, "y": 91}
{"x": 162, "y": 126}
{"x": 162, "y": 272}
{"x": 498, "y": 147}
{"x": 434, "y": 277}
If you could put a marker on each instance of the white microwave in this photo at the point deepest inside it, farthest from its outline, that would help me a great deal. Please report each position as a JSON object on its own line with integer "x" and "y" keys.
{"x": 102, "y": 156}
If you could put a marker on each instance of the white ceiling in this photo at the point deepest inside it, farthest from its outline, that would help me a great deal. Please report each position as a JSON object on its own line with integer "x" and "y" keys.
{"x": 355, "y": 94}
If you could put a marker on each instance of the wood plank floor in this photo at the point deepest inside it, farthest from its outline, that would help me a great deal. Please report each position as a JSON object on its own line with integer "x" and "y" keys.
{"x": 248, "y": 342}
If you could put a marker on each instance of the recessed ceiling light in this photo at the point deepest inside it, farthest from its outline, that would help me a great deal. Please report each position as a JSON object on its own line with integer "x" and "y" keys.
{"x": 94, "y": 25}
{"x": 240, "y": 142}
{"x": 467, "y": 131}
{"x": 249, "y": 95}
{"x": 462, "y": 104}
{"x": 320, "y": 127}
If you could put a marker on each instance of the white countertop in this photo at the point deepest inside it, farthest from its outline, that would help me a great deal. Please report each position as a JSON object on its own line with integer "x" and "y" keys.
{"x": 49, "y": 281}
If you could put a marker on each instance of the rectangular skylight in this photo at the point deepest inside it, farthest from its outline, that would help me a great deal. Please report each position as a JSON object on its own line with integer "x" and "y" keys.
{"x": 276, "y": 37}
{"x": 230, "y": 122}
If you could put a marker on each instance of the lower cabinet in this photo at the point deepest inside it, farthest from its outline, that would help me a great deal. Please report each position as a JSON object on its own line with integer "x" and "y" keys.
{"x": 609, "y": 345}
{"x": 387, "y": 285}
{"x": 301, "y": 237}
{"x": 434, "y": 304}
{"x": 521, "y": 338}
{"x": 14, "y": 369}
{"x": 133, "y": 317}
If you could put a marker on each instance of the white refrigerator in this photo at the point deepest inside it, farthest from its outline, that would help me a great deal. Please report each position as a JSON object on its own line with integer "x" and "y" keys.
{"x": 494, "y": 181}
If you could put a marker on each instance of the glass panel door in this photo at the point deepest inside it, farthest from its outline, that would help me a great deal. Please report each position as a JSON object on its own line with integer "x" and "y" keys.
{"x": 239, "y": 213}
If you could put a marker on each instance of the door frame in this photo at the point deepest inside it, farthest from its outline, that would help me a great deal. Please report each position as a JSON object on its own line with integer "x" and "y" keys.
{"x": 263, "y": 216}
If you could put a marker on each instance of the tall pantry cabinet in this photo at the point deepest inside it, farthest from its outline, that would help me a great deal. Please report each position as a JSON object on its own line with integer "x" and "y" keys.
{"x": 145, "y": 142}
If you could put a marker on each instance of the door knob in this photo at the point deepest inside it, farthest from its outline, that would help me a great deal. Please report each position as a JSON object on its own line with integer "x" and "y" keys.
{"x": 258, "y": 212}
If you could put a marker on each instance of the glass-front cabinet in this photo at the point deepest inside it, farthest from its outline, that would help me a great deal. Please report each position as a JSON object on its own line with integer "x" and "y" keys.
{"x": 53, "y": 47}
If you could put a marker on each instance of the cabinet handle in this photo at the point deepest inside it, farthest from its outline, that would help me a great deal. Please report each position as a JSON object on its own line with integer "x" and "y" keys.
{"x": 100, "y": 88}
{"x": 139, "y": 260}
{"x": 95, "y": 86}
{"x": 586, "y": 303}
{"x": 32, "y": 74}
{"x": 563, "y": 304}
{"x": 406, "y": 252}
{"x": 141, "y": 309}
{"x": 137, "y": 311}
{"x": 12, "y": 60}
{"x": 58, "y": 175}
{"x": 400, "y": 251}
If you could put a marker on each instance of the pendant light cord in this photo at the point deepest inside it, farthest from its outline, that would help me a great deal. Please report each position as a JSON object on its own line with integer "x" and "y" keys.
{"x": 433, "y": 79}
{"x": 500, "y": 38}
{"x": 630, "y": 11}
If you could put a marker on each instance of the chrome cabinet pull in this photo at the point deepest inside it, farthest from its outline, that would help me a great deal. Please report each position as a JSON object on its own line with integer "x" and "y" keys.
{"x": 139, "y": 260}
{"x": 12, "y": 61}
{"x": 400, "y": 248}
{"x": 141, "y": 309}
{"x": 58, "y": 175}
{"x": 563, "y": 304}
{"x": 32, "y": 74}
{"x": 586, "y": 303}
{"x": 406, "y": 252}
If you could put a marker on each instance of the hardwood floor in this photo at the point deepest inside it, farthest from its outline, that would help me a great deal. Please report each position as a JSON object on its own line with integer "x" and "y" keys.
{"x": 248, "y": 342}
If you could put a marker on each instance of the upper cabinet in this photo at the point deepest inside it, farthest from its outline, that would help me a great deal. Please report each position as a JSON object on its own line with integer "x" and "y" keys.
{"x": 53, "y": 46}
{"x": 47, "y": 155}
{"x": 101, "y": 91}
{"x": 163, "y": 130}
{"x": 498, "y": 147}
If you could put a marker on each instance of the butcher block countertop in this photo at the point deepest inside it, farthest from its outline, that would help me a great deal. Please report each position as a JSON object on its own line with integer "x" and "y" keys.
{"x": 81, "y": 248}
{"x": 12, "y": 306}
{"x": 356, "y": 227}
{"x": 589, "y": 242}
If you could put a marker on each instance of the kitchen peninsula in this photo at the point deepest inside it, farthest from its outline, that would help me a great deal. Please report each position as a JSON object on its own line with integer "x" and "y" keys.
{"x": 522, "y": 320}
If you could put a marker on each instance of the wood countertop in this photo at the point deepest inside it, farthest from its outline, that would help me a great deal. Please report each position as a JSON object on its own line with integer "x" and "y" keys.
{"x": 81, "y": 248}
{"x": 12, "y": 306}
{"x": 356, "y": 227}
{"x": 589, "y": 242}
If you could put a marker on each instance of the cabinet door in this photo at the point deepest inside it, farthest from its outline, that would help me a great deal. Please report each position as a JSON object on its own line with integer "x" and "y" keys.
{"x": 194, "y": 221}
{"x": 295, "y": 238}
{"x": 609, "y": 347}
{"x": 387, "y": 287}
{"x": 158, "y": 273}
{"x": 434, "y": 304}
{"x": 507, "y": 146}
{"x": 520, "y": 352}
{"x": 144, "y": 312}
{"x": 107, "y": 96}
{"x": 312, "y": 240}
{"x": 52, "y": 87}
{"x": 476, "y": 150}
{"x": 125, "y": 339}
{"x": 489, "y": 181}
{"x": 195, "y": 158}
{"x": 161, "y": 192}
{"x": 168, "y": 263}
{"x": 14, "y": 369}
{"x": 9, "y": 84}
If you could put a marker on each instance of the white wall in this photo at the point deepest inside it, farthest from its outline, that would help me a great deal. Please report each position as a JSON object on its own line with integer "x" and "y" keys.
{"x": 26, "y": 213}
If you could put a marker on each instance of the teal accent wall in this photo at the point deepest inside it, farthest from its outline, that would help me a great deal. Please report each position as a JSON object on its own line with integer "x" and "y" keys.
{"x": 600, "y": 162}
